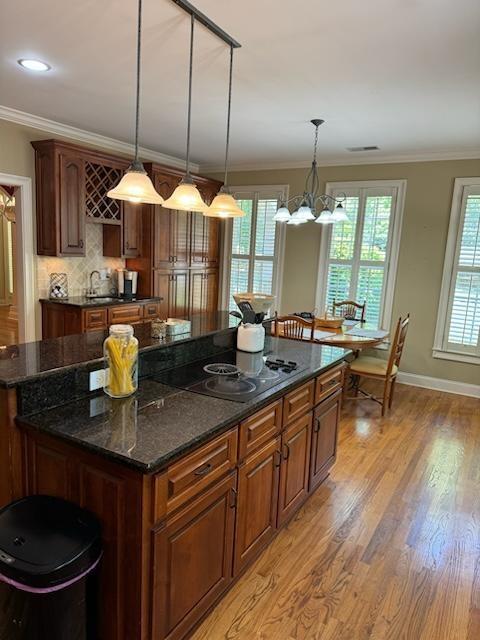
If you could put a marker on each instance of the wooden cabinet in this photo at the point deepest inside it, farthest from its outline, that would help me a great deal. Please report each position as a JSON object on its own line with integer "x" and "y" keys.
{"x": 60, "y": 198}
{"x": 173, "y": 287}
{"x": 195, "y": 471}
{"x": 257, "y": 503}
{"x": 125, "y": 240}
{"x": 203, "y": 290}
{"x": 192, "y": 560}
{"x": 205, "y": 238}
{"x": 72, "y": 205}
{"x": 172, "y": 239}
{"x": 65, "y": 320}
{"x": 294, "y": 470}
{"x": 258, "y": 429}
{"x": 297, "y": 402}
{"x": 324, "y": 438}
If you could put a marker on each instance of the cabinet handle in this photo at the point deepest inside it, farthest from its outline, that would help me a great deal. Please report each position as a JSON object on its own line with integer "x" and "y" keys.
{"x": 175, "y": 258}
{"x": 316, "y": 425}
{"x": 170, "y": 258}
{"x": 127, "y": 245}
{"x": 202, "y": 471}
{"x": 277, "y": 458}
{"x": 233, "y": 498}
{"x": 286, "y": 451}
{"x": 80, "y": 244}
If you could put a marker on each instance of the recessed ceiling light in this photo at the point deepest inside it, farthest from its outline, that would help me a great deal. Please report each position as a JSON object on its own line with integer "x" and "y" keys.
{"x": 34, "y": 65}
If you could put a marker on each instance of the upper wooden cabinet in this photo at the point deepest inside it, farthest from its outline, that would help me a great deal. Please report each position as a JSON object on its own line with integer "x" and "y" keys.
{"x": 71, "y": 189}
{"x": 204, "y": 251}
{"x": 60, "y": 195}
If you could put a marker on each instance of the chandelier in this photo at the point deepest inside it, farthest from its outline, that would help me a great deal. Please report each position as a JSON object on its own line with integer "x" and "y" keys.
{"x": 305, "y": 206}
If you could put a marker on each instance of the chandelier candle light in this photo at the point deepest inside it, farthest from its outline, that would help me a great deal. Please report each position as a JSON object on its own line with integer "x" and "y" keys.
{"x": 305, "y": 206}
{"x": 136, "y": 186}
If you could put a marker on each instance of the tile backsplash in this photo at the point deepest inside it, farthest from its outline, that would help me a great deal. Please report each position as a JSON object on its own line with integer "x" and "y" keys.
{"x": 79, "y": 269}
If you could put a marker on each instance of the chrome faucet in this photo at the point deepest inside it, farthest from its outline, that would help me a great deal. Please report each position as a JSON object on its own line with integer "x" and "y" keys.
{"x": 92, "y": 292}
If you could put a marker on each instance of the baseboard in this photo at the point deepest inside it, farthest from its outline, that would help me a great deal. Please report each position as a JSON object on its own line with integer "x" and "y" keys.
{"x": 439, "y": 384}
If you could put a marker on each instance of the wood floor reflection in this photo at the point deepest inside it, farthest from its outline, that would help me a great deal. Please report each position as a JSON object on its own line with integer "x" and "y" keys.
{"x": 388, "y": 548}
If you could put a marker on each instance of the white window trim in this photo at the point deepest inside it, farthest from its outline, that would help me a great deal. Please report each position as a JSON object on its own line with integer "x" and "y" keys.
{"x": 453, "y": 240}
{"x": 390, "y": 264}
{"x": 279, "y": 242}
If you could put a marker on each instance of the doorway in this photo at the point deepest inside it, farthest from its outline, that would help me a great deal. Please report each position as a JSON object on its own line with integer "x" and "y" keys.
{"x": 17, "y": 261}
{"x": 8, "y": 275}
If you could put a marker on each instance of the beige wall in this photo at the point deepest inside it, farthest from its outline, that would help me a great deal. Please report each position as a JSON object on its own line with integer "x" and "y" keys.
{"x": 422, "y": 248}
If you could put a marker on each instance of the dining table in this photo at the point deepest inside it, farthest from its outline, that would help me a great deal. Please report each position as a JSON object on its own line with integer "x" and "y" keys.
{"x": 353, "y": 335}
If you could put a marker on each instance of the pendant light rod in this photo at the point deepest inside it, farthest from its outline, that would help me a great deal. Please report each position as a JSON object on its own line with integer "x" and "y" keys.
{"x": 208, "y": 23}
{"x": 229, "y": 109}
{"x": 190, "y": 76}
{"x": 139, "y": 67}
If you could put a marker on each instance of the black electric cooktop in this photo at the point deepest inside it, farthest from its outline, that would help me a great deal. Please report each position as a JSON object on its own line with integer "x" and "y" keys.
{"x": 233, "y": 375}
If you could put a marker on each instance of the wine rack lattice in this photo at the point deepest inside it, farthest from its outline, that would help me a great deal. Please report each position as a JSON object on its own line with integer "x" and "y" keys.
{"x": 98, "y": 180}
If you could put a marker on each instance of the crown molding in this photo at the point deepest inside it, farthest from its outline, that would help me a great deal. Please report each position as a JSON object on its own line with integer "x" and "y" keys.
{"x": 473, "y": 154}
{"x": 95, "y": 139}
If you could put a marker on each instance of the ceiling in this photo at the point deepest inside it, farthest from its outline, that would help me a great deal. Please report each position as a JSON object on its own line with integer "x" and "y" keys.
{"x": 400, "y": 74}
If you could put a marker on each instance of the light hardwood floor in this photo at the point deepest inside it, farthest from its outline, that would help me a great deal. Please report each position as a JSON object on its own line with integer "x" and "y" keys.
{"x": 389, "y": 546}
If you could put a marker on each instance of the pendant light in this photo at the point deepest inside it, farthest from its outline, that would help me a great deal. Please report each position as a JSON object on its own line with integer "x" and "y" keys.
{"x": 186, "y": 196}
{"x": 224, "y": 205}
{"x": 136, "y": 186}
{"x": 306, "y": 204}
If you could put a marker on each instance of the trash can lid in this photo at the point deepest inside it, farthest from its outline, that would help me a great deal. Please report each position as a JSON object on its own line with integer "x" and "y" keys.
{"x": 46, "y": 541}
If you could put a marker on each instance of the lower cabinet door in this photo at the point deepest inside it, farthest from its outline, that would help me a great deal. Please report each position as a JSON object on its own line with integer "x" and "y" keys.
{"x": 294, "y": 469}
{"x": 324, "y": 438}
{"x": 257, "y": 503}
{"x": 192, "y": 560}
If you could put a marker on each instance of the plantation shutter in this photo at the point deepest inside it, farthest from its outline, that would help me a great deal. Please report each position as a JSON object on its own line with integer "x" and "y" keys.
{"x": 359, "y": 250}
{"x": 463, "y": 314}
{"x": 254, "y": 247}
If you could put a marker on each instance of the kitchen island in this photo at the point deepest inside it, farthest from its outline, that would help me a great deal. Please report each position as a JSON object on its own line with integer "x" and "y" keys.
{"x": 189, "y": 488}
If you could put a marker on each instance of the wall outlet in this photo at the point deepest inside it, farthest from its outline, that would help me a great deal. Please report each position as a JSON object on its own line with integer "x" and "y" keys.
{"x": 98, "y": 378}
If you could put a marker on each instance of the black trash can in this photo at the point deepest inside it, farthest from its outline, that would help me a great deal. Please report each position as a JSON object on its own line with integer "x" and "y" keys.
{"x": 49, "y": 549}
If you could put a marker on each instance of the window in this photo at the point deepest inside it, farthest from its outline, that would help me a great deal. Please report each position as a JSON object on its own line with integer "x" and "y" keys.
{"x": 458, "y": 325}
{"x": 254, "y": 245}
{"x": 358, "y": 257}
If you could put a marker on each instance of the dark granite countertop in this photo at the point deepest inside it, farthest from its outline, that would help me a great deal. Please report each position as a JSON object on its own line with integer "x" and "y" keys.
{"x": 100, "y": 301}
{"x": 34, "y": 360}
{"x": 160, "y": 423}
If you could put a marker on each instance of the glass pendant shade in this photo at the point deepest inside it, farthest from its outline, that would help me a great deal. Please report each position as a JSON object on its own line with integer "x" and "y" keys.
{"x": 224, "y": 206}
{"x": 305, "y": 213}
{"x": 295, "y": 219}
{"x": 339, "y": 215}
{"x": 326, "y": 217}
{"x": 135, "y": 186}
{"x": 186, "y": 197}
{"x": 282, "y": 215}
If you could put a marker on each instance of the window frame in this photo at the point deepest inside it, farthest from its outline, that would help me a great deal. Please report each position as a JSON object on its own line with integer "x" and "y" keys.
{"x": 391, "y": 261}
{"x": 441, "y": 347}
{"x": 258, "y": 192}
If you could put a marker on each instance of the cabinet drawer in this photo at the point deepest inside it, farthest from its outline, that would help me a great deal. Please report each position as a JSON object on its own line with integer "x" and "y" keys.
{"x": 125, "y": 315}
{"x": 150, "y": 310}
{"x": 194, "y": 472}
{"x": 258, "y": 429}
{"x": 95, "y": 319}
{"x": 298, "y": 402}
{"x": 327, "y": 383}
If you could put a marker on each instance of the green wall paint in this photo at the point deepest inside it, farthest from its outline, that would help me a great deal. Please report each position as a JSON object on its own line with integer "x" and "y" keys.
{"x": 422, "y": 248}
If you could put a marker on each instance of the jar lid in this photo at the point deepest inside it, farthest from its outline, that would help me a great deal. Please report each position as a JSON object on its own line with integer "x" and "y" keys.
{"x": 121, "y": 330}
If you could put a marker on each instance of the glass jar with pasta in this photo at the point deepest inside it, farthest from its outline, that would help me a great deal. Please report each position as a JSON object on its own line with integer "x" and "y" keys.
{"x": 120, "y": 350}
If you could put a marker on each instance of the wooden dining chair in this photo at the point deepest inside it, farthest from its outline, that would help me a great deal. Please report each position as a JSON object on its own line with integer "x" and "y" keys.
{"x": 294, "y": 327}
{"x": 349, "y": 309}
{"x": 378, "y": 369}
